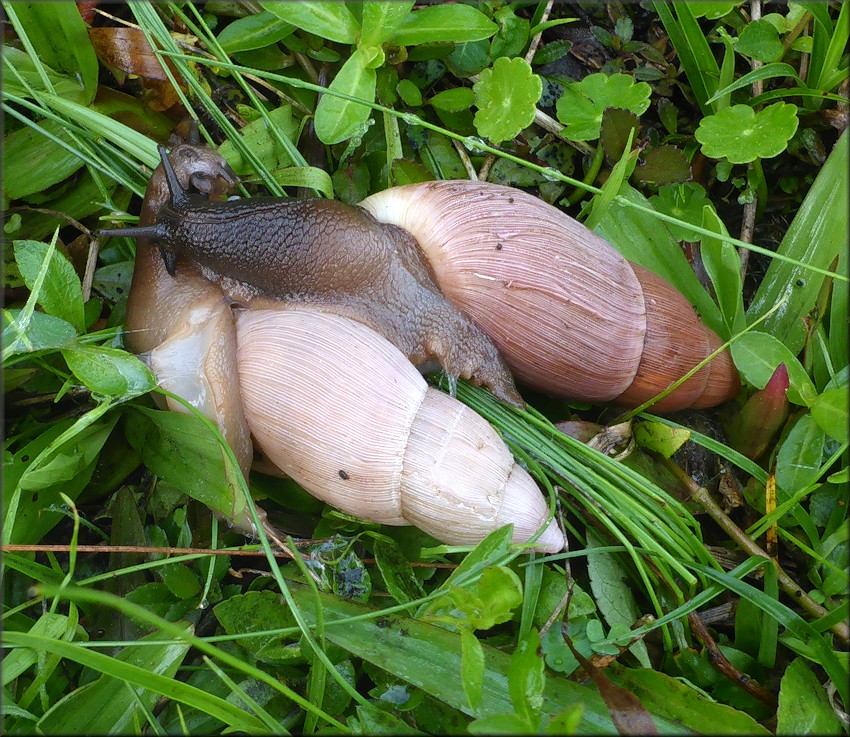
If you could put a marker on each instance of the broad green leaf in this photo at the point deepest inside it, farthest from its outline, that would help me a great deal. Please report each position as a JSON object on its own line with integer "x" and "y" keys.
{"x": 182, "y": 451}
{"x": 527, "y": 677}
{"x": 471, "y": 667}
{"x": 330, "y": 19}
{"x": 493, "y": 550}
{"x": 181, "y": 580}
{"x": 453, "y": 100}
{"x": 817, "y": 235}
{"x": 757, "y": 354}
{"x": 106, "y": 705}
{"x": 799, "y": 458}
{"x": 723, "y": 265}
{"x": 513, "y": 33}
{"x": 500, "y": 590}
{"x": 646, "y": 241}
{"x": 134, "y": 112}
{"x": 61, "y": 292}
{"x": 42, "y": 333}
{"x": 252, "y": 612}
{"x": 684, "y": 201}
{"x": 455, "y": 22}
{"x": 381, "y": 18}
{"x": 20, "y": 75}
{"x": 109, "y": 371}
{"x": 262, "y": 143}
{"x": 613, "y": 596}
{"x": 60, "y": 460}
{"x": 469, "y": 58}
{"x": 505, "y": 723}
{"x": 377, "y": 721}
{"x": 804, "y": 707}
{"x": 759, "y": 40}
{"x": 410, "y": 93}
{"x": 61, "y": 40}
{"x": 506, "y": 97}
{"x": 32, "y": 162}
{"x": 398, "y": 575}
{"x": 70, "y": 453}
{"x": 740, "y": 134}
{"x": 113, "y": 281}
{"x": 674, "y": 699}
{"x": 581, "y": 105}
{"x": 254, "y": 32}
{"x": 830, "y": 411}
{"x": 337, "y": 119}
{"x": 305, "y": 176}
{"x": 662, "y": 439}
{"x": 663, "y": 165}
{"x": 429, "y": 657}
{"x": 713, "y": 10}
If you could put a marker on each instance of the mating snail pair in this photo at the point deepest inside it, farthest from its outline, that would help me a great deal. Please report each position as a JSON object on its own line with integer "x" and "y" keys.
{"x": 296, "y": 324}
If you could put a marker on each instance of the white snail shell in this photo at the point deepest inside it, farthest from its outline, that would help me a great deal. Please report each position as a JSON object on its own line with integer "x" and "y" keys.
{"x": 344, "y": 413}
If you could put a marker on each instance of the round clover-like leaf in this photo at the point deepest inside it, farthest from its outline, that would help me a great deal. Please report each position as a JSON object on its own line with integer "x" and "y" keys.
{"x": 581, "y": 105}
{"x": 740, "y": 134}
{"x": 713, "y": 10}
{"x": 506, "y": 96}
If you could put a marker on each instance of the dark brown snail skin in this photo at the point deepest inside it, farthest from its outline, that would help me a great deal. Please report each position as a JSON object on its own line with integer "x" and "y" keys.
{"x": 331, "y": 256}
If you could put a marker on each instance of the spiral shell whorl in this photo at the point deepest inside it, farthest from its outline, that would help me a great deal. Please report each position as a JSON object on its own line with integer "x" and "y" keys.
{"x": 561, "y": 304}
{"x": 341, "y": 410}
{"x": 571, "y": 316}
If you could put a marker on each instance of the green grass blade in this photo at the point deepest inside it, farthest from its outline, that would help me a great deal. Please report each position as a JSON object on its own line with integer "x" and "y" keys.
{"x": 109, "y": 703}
{"x": 793, "y": 622}
{"x": 817, "y": 235}
{"x": 693, "y": 51}
{"x": 229, "y": 713}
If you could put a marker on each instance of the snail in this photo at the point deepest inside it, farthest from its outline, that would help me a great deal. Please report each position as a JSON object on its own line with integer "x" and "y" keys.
{"x": 327, "y": 399}
{"x": 569, "y": 314}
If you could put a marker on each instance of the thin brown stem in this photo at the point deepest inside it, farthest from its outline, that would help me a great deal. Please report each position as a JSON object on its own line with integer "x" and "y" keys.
{"x": 721, "y": 662}
{"x": 465, "y": 160}
{"x": 146, "y": 549}
{"x": 700, "y": 495}
{"x": 532, "y": 47}
{"x": 747, "y": 227}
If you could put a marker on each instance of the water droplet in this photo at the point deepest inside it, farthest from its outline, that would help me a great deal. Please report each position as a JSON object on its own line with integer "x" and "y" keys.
{"x": 203, "y": 604}
{"x": 452, "y": 382}
{"x": 551, "y": 175}
{"x": 472, "y": 143}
